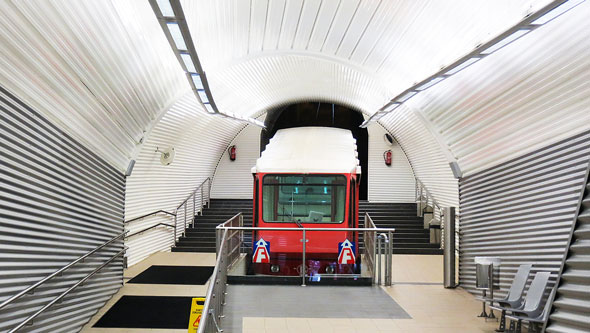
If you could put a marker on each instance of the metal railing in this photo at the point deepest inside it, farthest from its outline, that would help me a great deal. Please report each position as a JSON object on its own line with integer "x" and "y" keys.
{"x": 424, "y": 199}
{"x": 370, "y": 239}
{"x": 184, "y": 207}
{"x": 31, "y": 289}
{"x": 227, "y": 254}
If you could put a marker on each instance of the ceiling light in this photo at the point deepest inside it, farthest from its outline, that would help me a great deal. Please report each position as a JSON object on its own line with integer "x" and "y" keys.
{"x": 391, "y": 107}
{"x": 176, "y": 35}
{"x": 557, "y": 11}
{"x": 203, "y": 96}
{"x": 197, "y": 81}
{"x": 507, "y": 40}
{"x": 165, "y": 8}
{"x": 406, "y": 96}
{"x": 430, "y": 83}
{"x": 209, "y": 108}
{"x": 188, "y": 62}
{"x": 463, "y": 65}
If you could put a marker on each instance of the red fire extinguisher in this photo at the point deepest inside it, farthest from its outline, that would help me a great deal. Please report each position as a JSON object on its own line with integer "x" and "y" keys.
{"x": 232, "y": 153}
{"x": 387, "y": 157}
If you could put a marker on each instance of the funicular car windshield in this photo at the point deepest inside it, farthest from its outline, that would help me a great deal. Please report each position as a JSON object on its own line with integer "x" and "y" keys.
{"x": 304, "y": 198}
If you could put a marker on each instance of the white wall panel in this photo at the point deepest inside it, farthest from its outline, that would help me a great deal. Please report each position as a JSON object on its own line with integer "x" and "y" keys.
{"x": 199, "y": 140}
{"x": 233, "y": 179}
{"x": 102, "y": 70}
{"x": 533, "y": 92}
{"x": 393, "y": 183}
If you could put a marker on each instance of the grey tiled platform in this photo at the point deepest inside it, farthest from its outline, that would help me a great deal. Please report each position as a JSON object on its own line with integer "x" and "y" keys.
{"x": 307, "y": 302}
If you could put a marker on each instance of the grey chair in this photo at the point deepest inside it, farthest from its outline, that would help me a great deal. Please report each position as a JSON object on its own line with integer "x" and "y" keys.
{"x": 532, "y": 306}
{"x": 514, "y": 297}
{"x": 534, "y": 322}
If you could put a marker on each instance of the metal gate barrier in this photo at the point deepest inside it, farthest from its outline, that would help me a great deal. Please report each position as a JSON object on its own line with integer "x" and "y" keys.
{"x": 231, "y": 250}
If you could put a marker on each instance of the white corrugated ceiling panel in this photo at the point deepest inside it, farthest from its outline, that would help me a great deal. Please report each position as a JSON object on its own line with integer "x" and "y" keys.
{"x": 533, "y": 92}
{"x": 102, "y": 70}
{"x": 393, "y": 43}
{"x": 199, "y": 140}
{"x": 424, "y": 153}
{"x": 265, "y": 82}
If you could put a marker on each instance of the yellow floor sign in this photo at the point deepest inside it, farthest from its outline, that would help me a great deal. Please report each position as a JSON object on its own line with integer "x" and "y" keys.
{"x": 196, "y": 312}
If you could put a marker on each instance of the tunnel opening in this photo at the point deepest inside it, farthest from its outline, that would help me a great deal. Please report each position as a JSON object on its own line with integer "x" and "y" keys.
{"x": 326, "y": 115}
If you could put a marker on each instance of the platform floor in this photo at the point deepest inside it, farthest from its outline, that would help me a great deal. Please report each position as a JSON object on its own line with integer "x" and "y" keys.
{"x": 418, "y": 291}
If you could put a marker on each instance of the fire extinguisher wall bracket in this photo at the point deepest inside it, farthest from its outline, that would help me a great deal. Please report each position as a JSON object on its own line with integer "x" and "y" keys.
{"x": 387, "y": 157}
{"x": 232, "y": 153}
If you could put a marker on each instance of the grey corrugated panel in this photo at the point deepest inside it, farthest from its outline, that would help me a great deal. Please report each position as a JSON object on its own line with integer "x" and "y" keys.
{"x": 571, "y": 306}
{"x": 58, "y": 201}
{"x": 523, "y": 210}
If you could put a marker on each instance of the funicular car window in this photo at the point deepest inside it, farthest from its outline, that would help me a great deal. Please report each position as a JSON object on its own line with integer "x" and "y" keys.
{"x": 304, "y": 198}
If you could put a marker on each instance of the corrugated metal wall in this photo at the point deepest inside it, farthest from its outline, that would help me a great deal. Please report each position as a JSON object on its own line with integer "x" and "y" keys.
{"x": 199, "y": 140}
{"x": 571, "y": 308}
{"x": 233, "y": 179}
{"x": 393, "y": 183}
{"x": 523, "y": 210}
{"x": 58, "y": 201}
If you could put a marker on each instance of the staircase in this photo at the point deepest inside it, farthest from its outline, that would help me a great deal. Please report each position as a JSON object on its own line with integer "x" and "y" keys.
{"x": 571, "y": 308}
{"x": 201, "y": 237}
{"x": 409, "y": 237}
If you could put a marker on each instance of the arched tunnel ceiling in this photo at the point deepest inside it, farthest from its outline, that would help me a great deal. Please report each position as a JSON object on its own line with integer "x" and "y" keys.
{"x": 104, "y": 71}
{"x": 270, "y": 52}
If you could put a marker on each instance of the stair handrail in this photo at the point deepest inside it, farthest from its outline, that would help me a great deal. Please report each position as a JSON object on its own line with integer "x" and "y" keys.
{"x": 193, "y": 196}
{"x": 62, "y": 295}
{"x": 34, "y": 286}
{"x": 149, "y": 214}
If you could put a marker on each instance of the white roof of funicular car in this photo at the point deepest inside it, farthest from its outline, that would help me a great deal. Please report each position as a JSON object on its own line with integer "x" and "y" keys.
{"x": 310, "y": 150}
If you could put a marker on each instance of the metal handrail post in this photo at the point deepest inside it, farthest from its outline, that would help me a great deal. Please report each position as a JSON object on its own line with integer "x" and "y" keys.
{"x": 202, "y": 202}
{"x": 378, "y": 260}
{"x": 386, "y": 261}
{"x": 374, "y": 273}
{"x": 390, "y": 258}
{"x": 175, "y": 225}
{"x": 209, "y": 193}
{"x": 194, "y": 212}
{"x": 420, "y": 202}
{"x": 304, "y": 240}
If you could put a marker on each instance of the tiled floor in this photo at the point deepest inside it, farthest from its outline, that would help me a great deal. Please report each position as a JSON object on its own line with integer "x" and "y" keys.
{"x": 418, "y": 290}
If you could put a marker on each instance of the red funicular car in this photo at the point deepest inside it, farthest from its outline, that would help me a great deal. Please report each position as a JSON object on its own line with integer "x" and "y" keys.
{"x": 307, "y": 177}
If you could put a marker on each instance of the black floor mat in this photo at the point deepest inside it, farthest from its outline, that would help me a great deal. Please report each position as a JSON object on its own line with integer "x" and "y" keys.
{"x": 174, "y": 275}
{"x": 148, "y": 312}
